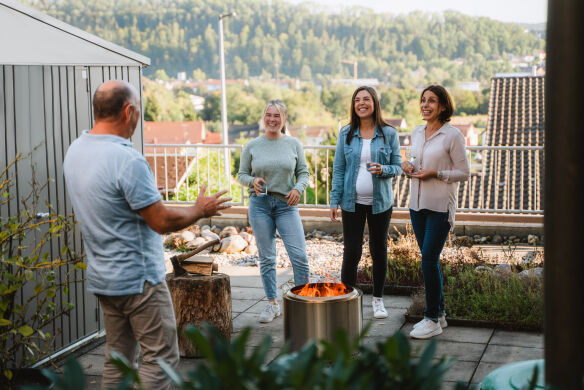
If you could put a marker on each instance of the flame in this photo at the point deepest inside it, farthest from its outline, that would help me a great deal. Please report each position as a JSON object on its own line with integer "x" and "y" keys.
{"x": 323, "y": 290}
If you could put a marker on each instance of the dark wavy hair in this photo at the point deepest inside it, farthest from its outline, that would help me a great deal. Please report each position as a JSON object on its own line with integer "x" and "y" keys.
{"x": 444, "y": 100}
{"x": 356, "y": 121}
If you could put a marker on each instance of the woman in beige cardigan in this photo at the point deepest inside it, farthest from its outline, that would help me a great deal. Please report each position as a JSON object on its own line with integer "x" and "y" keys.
{"x": 439, "y": 163}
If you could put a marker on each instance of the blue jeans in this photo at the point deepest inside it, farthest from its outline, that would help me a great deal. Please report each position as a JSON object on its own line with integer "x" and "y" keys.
{"x": 431, "y": 229}
{"x": 266, "y": 214}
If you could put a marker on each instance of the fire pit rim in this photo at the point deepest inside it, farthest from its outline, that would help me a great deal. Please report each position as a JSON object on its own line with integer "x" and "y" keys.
{"x": 337, "y": 298}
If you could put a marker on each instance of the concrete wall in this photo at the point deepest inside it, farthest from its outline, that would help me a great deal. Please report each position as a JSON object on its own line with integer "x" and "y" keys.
{"x": 466, "y": 224}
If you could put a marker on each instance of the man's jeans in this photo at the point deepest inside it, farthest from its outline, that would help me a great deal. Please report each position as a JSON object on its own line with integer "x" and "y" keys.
{"x": 431, "y": 229}
{"x": 266, "y": 214}
{"x": 148, "y": 319}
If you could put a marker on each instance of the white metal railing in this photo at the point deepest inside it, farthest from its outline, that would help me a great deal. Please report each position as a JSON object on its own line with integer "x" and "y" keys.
{"x": 504, "y": 179}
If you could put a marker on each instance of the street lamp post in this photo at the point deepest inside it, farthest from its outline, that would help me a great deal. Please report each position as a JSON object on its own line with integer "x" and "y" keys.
{"x": 226, "y": 154}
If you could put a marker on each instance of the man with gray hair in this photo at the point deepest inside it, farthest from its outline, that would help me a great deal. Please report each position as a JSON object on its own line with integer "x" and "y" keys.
{"x": 121, "y": 216}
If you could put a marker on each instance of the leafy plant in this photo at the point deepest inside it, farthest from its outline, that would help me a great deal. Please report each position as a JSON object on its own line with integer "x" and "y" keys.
{"x": 509, "y": 300}
{"x": 33, "y": 275}
{"x": 342, "y": 364}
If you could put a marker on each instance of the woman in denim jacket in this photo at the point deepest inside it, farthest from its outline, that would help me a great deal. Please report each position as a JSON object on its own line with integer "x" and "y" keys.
{"x": 366, "y": 159}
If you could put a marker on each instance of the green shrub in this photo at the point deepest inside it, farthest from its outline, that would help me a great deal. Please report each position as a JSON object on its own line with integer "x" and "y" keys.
{"x": 34, "y": 274}
{"x": 510, "y": 301}
{"x": 343, "y": 364}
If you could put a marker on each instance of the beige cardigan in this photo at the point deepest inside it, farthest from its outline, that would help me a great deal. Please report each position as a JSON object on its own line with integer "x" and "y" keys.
{"x": 445, "y": 152}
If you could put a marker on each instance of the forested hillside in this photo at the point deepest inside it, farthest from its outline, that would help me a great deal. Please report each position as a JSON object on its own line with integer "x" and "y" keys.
{"x": 277, "y": 39}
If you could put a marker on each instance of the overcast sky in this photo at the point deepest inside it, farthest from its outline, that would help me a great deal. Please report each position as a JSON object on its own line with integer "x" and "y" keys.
{"x": 519, "y": 11}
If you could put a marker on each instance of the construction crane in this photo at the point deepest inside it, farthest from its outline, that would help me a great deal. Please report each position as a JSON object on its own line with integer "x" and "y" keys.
{"x": 355, "y": 64}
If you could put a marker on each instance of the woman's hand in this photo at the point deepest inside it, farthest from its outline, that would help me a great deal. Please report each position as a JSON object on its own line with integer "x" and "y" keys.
{"x": 258, "y": 182}
{"x": 334, "y": 214}
{"x": 425, "y": 174}
{"x": 374, "y": 168}
{"x": 407, "y": 167}
{"x": 293, "y": 197}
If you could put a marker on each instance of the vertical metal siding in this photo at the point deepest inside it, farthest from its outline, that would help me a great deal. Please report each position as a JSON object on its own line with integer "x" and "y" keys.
{"x": 42, "y": 110}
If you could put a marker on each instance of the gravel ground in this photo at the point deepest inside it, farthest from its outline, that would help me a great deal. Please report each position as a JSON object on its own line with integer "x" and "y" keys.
{"x": 324, "y": 256}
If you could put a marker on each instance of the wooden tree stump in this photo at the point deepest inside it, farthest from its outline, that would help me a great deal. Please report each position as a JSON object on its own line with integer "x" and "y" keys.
{"x": 197, "y": 299}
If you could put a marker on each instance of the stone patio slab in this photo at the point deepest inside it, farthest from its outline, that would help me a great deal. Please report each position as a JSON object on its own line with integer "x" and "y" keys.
{"x": 247, "y": 292}
{"x": 241, "y": 305}
{"x": 466, "y": 335}
{"x": 507, "y": 354}
{"x": 468, "y": 352}
{"x": 483, "y": 370}
{"x": 519, "y": 339}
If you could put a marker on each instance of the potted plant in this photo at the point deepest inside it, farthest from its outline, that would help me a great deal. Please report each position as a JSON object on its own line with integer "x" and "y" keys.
{"x": 32, "y": 275}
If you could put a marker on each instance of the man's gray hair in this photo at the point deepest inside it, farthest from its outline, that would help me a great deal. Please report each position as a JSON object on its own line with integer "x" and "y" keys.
{"x": 109, "y": 102}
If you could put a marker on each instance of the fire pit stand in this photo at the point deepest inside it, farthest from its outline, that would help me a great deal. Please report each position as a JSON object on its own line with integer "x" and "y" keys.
{"x": 307, "y": 318}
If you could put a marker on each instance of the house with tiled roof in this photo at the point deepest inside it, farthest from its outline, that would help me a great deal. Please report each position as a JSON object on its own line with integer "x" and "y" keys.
{"x": 513, "y": 178}
{"x": 170, "y": 164}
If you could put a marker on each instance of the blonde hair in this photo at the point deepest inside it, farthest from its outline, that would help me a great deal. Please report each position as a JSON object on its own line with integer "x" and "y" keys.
{"x": 281, "y": 107}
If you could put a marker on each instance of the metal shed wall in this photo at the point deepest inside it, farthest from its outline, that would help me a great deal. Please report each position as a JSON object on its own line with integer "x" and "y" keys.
{"x": 43, "y": 108}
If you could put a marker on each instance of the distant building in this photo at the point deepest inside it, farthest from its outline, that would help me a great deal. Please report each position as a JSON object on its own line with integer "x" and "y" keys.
{"x": 170, "y": 164}
{"x": 181, "y": 76}
{"x": 188, "y": 133}
{"x": 310, "y": 135}
{"x": 198, "y": 102}
{"x": 245, "y": 131}
{"x": 397, "y": 123}
{"x": 473, "y": 86}
{"x": 469, "y": 131}
{"x": 358, "y": 82}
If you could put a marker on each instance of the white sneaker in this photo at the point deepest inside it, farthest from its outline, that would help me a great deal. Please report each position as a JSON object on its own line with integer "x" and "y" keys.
{"x": 426, "y": 329}
{"x": 270, "y": 312}
{"x": 441, "y": 320}
{"x": 378, "y": 308}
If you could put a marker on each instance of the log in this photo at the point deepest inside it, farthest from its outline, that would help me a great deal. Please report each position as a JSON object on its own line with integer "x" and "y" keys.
{"x": 197, "y": 299}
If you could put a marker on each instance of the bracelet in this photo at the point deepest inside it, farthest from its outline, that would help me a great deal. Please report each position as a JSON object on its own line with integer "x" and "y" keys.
{"x": 440, "y": 175}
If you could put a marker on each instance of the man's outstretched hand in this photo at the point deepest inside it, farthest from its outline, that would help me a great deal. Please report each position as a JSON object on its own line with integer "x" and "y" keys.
{"x": 213, "y": 204}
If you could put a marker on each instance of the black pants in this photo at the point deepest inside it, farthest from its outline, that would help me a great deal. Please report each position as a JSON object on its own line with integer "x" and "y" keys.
{"x": 353, "y": 227}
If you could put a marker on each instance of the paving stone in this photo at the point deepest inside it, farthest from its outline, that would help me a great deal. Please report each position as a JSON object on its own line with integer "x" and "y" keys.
{"x": 519, "y": 339}
{"x": 387, "y": 326}
{"x": 247, "y": 292}
{"x": 451, "y": 385}
{"x": 93, "y": 382}
{"x": 92, "y": 364}
{"x": 241, "y": 305}
{"x": 460, "y": 371}
{"x": 396, "y": 301}
{"x": 508, "y": 354}
{"x": 466, "y": 335}
{"x": 483, "y": 370}
{"x": 469, "y": 352}
{"x": 259, "y": 306}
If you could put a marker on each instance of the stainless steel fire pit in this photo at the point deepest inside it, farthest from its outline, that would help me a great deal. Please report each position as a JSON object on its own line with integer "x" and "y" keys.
{"x": 307, "y": 318}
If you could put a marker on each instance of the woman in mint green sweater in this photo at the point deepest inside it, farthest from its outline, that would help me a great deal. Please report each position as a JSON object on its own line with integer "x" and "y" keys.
{"x": 274, "y": 169}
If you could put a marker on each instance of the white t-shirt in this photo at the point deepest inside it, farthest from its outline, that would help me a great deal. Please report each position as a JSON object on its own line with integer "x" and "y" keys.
{"x": 364, "y": 185}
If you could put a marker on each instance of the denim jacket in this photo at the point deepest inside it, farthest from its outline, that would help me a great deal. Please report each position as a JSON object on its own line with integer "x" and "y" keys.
{"x": 346, "y": 168}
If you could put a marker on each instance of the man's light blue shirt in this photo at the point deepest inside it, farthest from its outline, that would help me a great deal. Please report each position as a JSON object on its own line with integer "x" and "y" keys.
{"x": 108, "y": 182}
